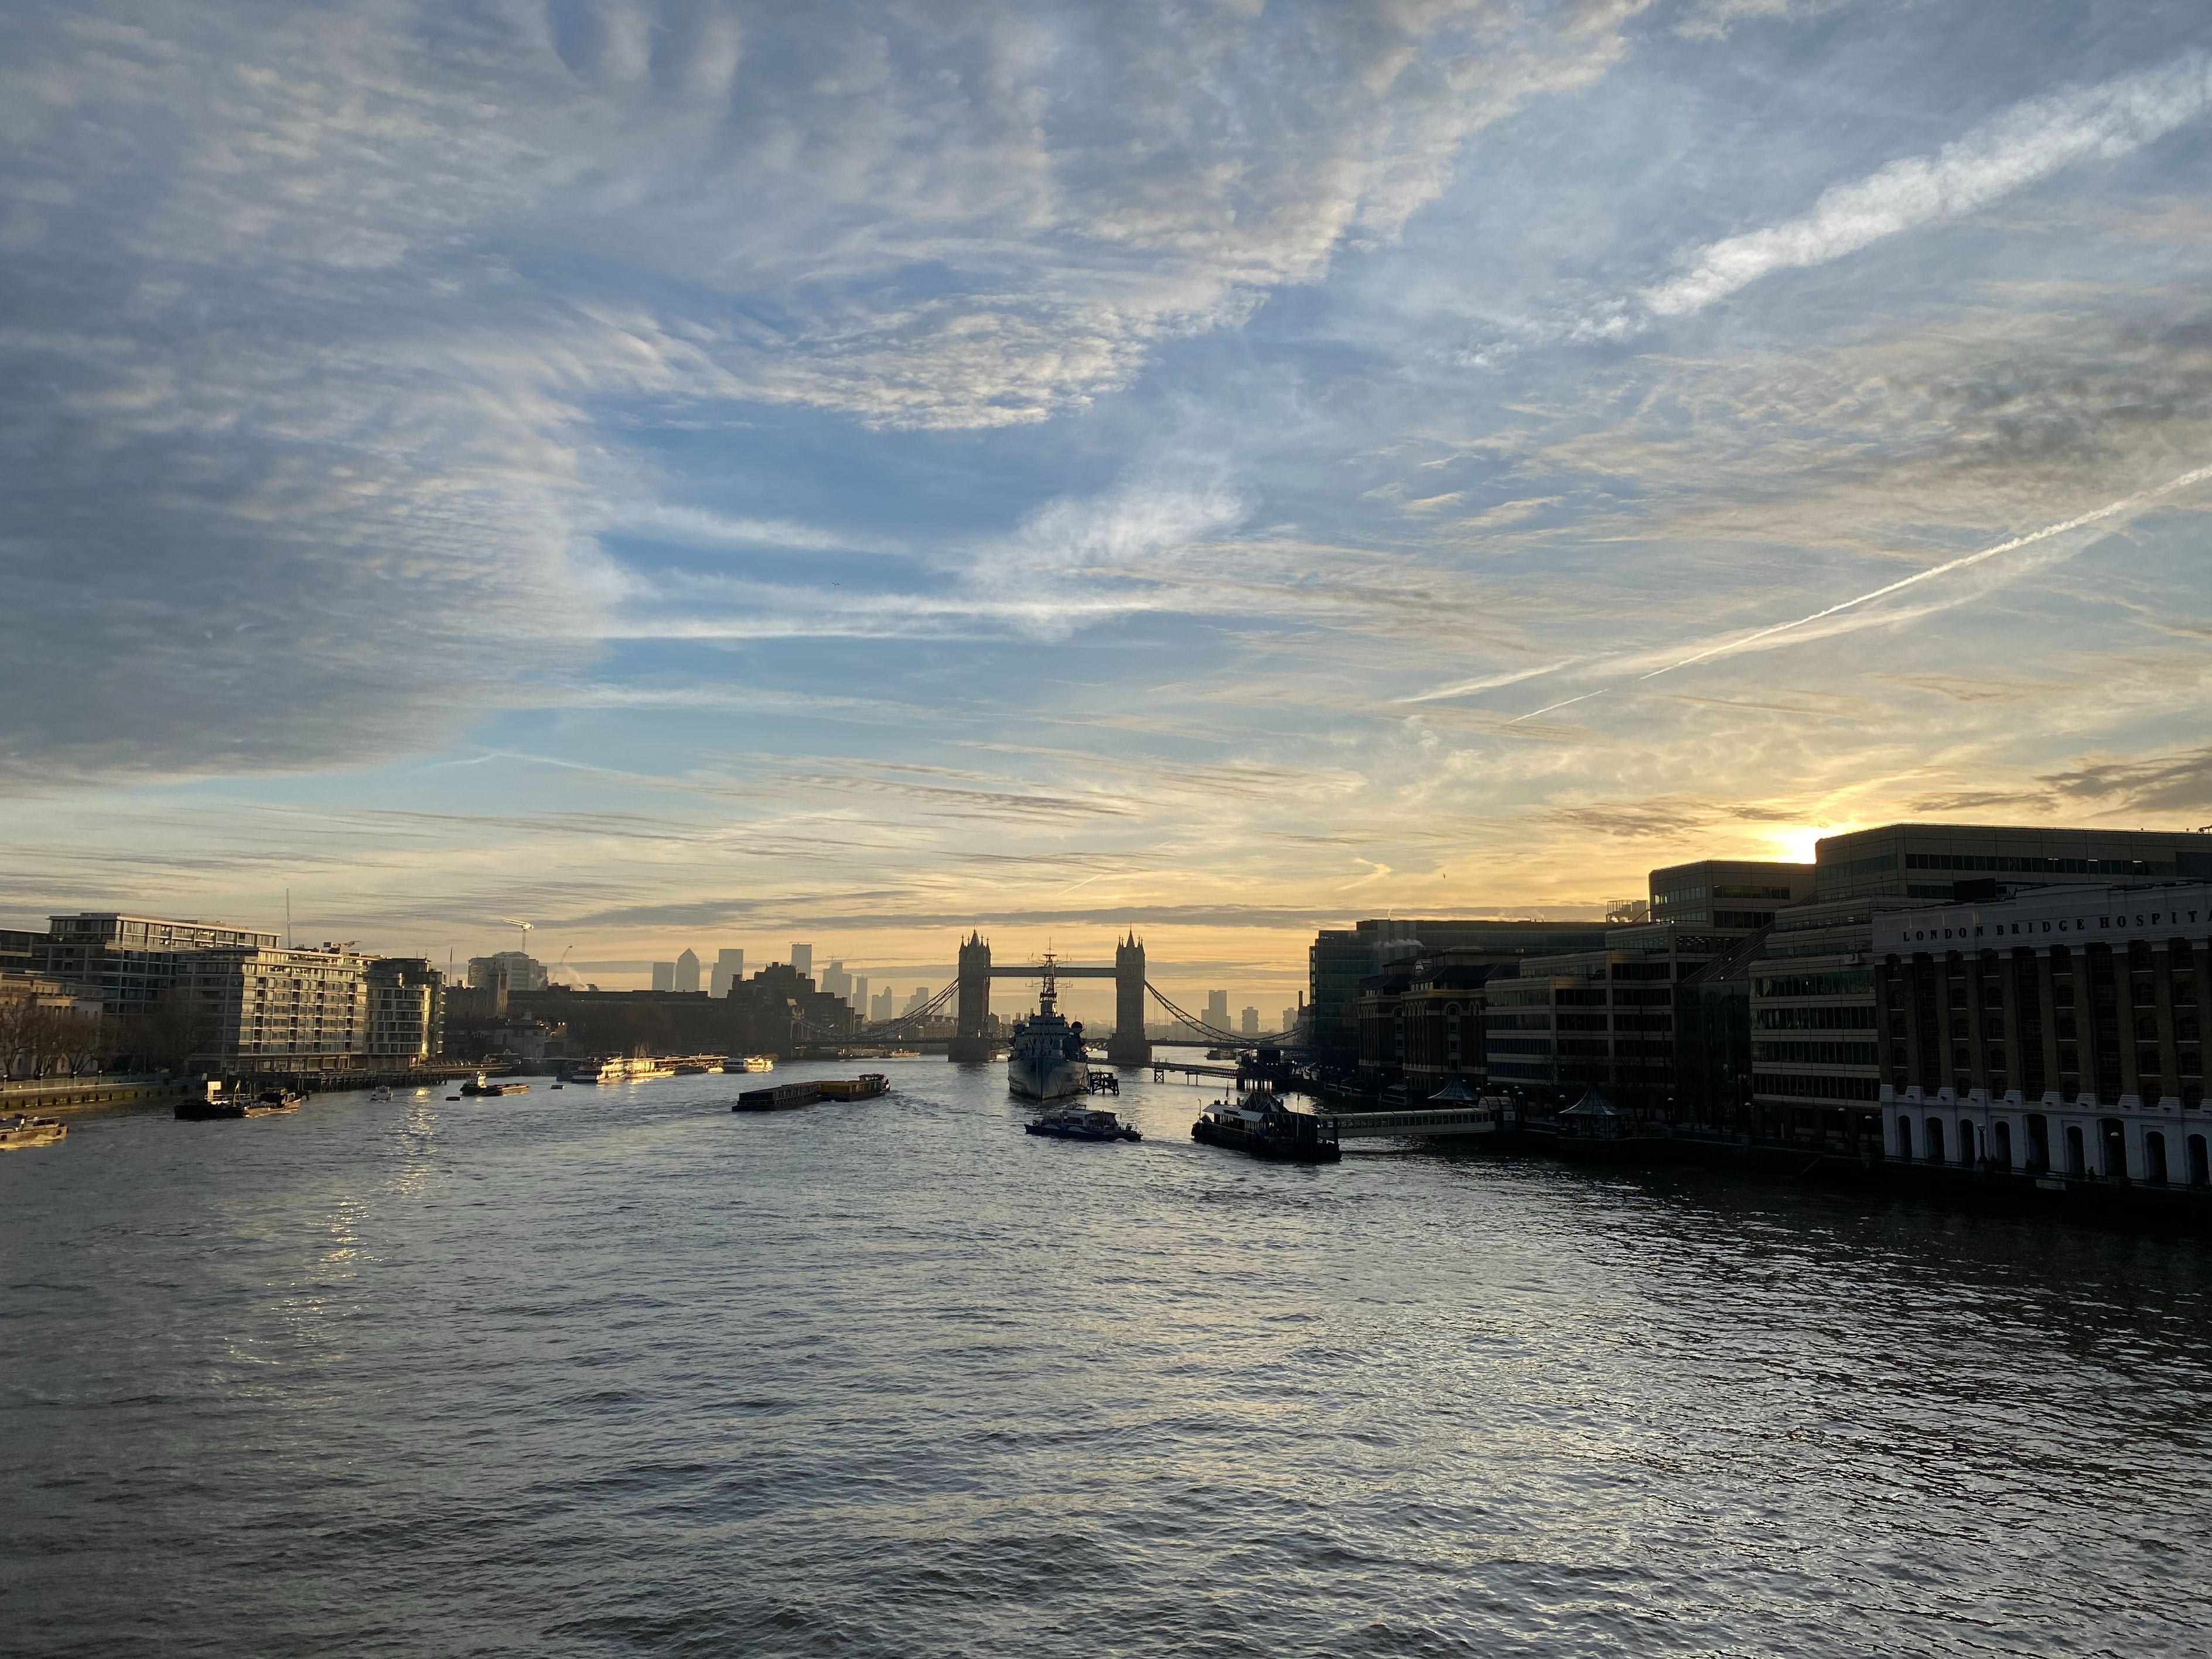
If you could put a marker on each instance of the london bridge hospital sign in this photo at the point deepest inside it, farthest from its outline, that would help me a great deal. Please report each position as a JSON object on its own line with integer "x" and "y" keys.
{"x": 2102, "y": 915}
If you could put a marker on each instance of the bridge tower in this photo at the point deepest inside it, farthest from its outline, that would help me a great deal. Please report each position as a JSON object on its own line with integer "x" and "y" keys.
{"x": 1127, "y": 1046}
{"x": 971, "y": 1039}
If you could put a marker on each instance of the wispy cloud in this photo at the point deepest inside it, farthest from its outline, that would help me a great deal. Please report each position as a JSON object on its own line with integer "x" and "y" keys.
{"x": 2023, "y": 145}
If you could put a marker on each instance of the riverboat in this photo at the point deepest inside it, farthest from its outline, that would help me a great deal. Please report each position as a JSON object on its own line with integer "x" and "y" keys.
{"x": 21, "y": 1129}
{"x": 753, "y": 1063}
{"x": 617, "y": 1068}
{"x": 867, "y": 1086}
{"x": 1046, "y": 1061}
{"x": 778, "y": 1097}
{"x": 1082, "y": 1123}
{"x": 1259, "y": 1124}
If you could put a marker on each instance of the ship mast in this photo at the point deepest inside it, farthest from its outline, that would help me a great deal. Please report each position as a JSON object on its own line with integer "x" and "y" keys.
{"x": 1048, "y": 997}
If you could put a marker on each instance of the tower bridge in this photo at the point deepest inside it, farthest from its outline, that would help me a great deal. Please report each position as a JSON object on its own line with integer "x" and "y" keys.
{"x": 1126, "y": 1047}
{"x": 969, "y": 999}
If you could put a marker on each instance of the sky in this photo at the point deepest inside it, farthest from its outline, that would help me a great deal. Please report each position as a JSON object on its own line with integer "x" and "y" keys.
{"x": 679, "y": 473}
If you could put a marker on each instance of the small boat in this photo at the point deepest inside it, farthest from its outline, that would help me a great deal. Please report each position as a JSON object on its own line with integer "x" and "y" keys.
{"x": 782, "y": 1097}
{"x": 269, "y": 1102}
{"x": 380, "y": 1092}
{"x": 1261, "y": 1125}
{"x": 21, "y": 1129}
{"x": 482, "y": 1086}
{"x": 867, "y": 1086}
{"x": 753, "y": 1063}
{"x": 1082, "y": 1123}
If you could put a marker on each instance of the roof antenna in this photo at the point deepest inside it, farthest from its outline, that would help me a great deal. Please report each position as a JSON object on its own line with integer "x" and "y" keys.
{"x": 288, "y": 918}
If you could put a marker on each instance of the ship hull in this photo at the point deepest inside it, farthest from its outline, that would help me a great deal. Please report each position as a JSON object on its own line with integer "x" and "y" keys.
{"x": 1048, "y": 1078}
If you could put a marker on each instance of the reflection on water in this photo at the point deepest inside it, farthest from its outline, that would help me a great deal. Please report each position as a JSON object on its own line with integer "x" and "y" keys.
{"x": 620, "y": 1371}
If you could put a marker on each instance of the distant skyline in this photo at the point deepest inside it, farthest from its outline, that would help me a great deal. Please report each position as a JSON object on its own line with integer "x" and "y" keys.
{"x": 685, "y": 473}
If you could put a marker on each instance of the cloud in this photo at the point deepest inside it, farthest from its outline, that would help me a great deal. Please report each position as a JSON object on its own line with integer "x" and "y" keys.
{"x": 327, "y": 327}
{"x": 2023, "y": 146}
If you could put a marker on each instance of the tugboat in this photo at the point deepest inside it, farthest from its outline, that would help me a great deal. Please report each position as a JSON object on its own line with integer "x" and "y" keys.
{"x": 1082, "y": 1123}
{"x": 21, "y": 1129}
{"x": 1047, "y": 1062}
{"x": 1261, "y": 1125}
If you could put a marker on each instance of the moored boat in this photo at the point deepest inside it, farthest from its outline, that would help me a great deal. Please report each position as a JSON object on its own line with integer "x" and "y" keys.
{"x": 1259, "y": 1124}
{"x": 1046, "y": 1061}
{"x": 20, "y": 1129}
{"x": 1082, "y": 1123}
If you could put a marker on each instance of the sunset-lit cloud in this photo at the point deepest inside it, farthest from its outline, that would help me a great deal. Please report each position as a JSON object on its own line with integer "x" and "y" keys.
{"x": 687, "y": 472}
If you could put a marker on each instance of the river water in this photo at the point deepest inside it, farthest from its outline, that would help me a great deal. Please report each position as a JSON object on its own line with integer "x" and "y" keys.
{"x": 616, "y": 1372}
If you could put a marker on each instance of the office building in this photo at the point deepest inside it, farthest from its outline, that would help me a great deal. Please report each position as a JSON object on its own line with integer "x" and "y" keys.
{"x": 728, "y": 969}
{"x": 2058, "y": 1032}
{"x": 128, "y": 961}
{"x": 836, "y": 981}
{"x": 16, "y": 948}
{"x": 1340, "y": 961}
{"x": 918, "y": 999}
{"x": 406, "y": 1008}
{"x": 664, "y": 976}
{"x": 1816, "y": 1071}
{"x": 1290, "y": 1025}
{"x": 1734, "y": 896}
{"x": 802, "y": 960}
{"x": 1216, "y": 1017}
{"x": 858, "y": 995}
{"x": 687, "y": 972}
{"x": 511, "y": 970}
{"x": 1601, "y": 1020}
{"x": 885, "y": 1006}
{"x": 1248, "y": 1023}
{"x": 1421, "y": 1022}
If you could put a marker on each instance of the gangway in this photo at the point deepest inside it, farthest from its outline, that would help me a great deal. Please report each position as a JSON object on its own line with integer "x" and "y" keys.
{"x": 1420, "y": 1122}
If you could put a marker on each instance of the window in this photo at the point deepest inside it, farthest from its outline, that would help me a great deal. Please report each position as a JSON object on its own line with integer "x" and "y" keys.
{"x": 1850, "y": 982}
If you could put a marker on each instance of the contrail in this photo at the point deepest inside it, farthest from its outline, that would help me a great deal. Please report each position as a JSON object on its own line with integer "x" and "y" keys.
{"x": 1548, "y": 707}
{"x": 2113, "y": 510}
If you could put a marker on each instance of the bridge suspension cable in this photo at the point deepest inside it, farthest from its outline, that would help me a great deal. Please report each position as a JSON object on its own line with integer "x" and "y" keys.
{"x": 1233, "y": 1039}
{"x": 885, "y": 1028}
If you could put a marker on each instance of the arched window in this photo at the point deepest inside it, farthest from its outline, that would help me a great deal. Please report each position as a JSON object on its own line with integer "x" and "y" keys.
{"x": 1905, "y": 1137}
{"x": 2200, "y": 1166}
{"x": 2155, "y": 1158}
{"x": 2001, "y": 1146}
{"x": 1935, "y": 1140}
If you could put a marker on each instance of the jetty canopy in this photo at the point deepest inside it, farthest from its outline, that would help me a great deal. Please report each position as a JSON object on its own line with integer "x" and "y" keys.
{"x": 1455, "y": 1093}
{"x": 1594, "y": 1116}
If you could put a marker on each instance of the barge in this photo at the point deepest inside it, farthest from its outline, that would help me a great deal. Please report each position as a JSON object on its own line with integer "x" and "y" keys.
{"x": 1261, "y": 1125}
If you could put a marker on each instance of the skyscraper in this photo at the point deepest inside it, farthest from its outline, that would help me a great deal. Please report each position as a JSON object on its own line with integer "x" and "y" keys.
{"x": 729, "y": 968}
{"x": 802, "y": 958}
{"x": 687, "y": 972}
{"x": 920, "y": 996}
{"x": 664, "y": 976}
{"x": 1217, "y": 1009}
{"x": 835, "y": 980}
{"x": 1248, "y": 1023}
{"x": 859, "y": 996}
{"x": 886, "y": 1006}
